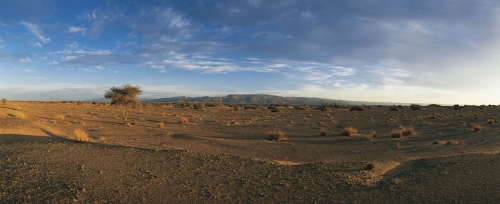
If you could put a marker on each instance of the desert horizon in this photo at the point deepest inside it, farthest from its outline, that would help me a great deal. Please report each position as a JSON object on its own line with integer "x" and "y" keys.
{"x": 104, "y": 153}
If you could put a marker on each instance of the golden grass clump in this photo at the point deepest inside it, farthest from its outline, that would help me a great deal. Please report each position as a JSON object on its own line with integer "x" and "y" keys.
{"x": 82, "y": 122}
{"x": 184, "y": 121}
{"x": 81, "y": 136}
{"x": 349, "y": 131}
{"x": 477, "y": 128}
{"x": 161, "y": 125}
{"x": 277, "y": 135}
{"x": 60, "y": 117}
{"x": 20, "y": 115}
{"x": 371, "y": 135}
{"x": 403, "y": 131}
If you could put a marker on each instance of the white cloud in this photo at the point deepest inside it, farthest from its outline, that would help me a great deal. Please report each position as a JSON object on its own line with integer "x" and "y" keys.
{"x": 34, "y": 44}
{"x": 76, "y": 30}
{"x": 53, "y": 63}
{"x": 36, "y": 31}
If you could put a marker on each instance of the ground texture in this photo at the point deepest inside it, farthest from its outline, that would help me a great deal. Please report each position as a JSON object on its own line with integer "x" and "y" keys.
{"x": 222, "y": 156}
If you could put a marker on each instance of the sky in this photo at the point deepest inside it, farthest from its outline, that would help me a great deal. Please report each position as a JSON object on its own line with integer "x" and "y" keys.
{"x": 408, "y": 51}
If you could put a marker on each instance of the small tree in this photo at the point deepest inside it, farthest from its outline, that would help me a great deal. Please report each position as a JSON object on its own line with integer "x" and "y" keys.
{"x": 4, "y": 101}
{"x": 125, "y": 97}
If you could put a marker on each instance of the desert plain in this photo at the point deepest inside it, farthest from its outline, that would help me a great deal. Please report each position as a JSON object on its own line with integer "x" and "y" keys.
{"x": 223, "y": 155}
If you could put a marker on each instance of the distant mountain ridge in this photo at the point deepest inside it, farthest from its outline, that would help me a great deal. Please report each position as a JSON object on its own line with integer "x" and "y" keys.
{"x": 263, "y": 99}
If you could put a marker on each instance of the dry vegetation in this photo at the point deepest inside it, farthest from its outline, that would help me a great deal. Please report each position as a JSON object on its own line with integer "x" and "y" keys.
{"x": 276, "y": 135}
{"x": 349, "y": 131}
{"x": 81, "y": 136}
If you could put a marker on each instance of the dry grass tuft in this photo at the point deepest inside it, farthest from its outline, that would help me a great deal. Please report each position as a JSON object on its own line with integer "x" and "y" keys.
{"x": 371, "y": 135}
{"x": 161, "y": 125}
{"x": 20, "y": 115}
{"x": 81, "y": 136}
{"x": 452, "y": 142}
{"x": 349, "y": 131}
{"x": 82, "y": 122}
{"x": 403, "y": 131}
{"x": 184, "y": 121}
{"x": 490, "y": 121}
{"x": 477, "y": 128}
{"x": 397, "y": 134}
{"x": 438, "y": 142}
{"x": 277, "y": 135}
{"x": 60, "y": 117}
{"x": 128, "y": 124}
{"x": 370, "y": 166}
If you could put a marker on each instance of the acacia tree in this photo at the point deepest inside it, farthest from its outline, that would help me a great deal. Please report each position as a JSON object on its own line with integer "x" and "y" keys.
{"x": 125, "y": 96}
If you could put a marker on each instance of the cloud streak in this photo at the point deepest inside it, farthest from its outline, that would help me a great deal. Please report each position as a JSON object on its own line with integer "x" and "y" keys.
{"x": 36, "y": 31}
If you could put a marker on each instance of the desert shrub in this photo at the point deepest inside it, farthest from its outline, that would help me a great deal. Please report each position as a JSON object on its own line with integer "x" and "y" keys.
{"x": 490, "y": 121}
{"x": 370, "y": 166}
{"x": 357, "y": 108}
{"x": 20, "y": 115}
{"x": 456, "y": 107}
{"x": 349, "y": 131}
{"x": 403, "y": 131}
{"x": 394, "y": 108}
{"x": 186, "y": 105}
{"x": 199, "y": 106}
{"x": 4, "y": 101}
{"x": 184, "y": 121}
{"x": 396, "y": 181}
{"x": 397, "y": 134}
{"x": 276, "y": 110}
{"x": 81, "y": 136}
{"x": 410, "y": 130}
{"x": 59, "y": 117}
{"x": 276, "y": 135}
{"x": 371, "y": 135}
{"x": 246, "y": 106}
{"x": 433, "y": 105}
{"x": 302, "y": 107}
{"x": 477, "y": 128}
{"x": 161, "y": 125}
{"x": 324, "y": 108}
{"x": 82, "y": 122}
{"x": 452, "y": 142}
{"x": 237, "y": 108}
{"x": 415, "y": 107}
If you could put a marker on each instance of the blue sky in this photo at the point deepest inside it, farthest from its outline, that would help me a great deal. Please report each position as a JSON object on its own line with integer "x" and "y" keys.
{"x": 424, "y": 51}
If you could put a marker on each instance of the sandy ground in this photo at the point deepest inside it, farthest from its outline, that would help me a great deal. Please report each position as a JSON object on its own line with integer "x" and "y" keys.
{"x": 223, "y": 156}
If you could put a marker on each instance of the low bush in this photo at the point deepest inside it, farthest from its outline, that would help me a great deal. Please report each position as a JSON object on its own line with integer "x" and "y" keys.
{"x": 349, "y": 131}
{"x": 277, "y": 135}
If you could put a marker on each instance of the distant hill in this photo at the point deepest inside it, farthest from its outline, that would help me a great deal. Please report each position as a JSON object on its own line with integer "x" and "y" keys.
{"x": 263, "y": 99}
